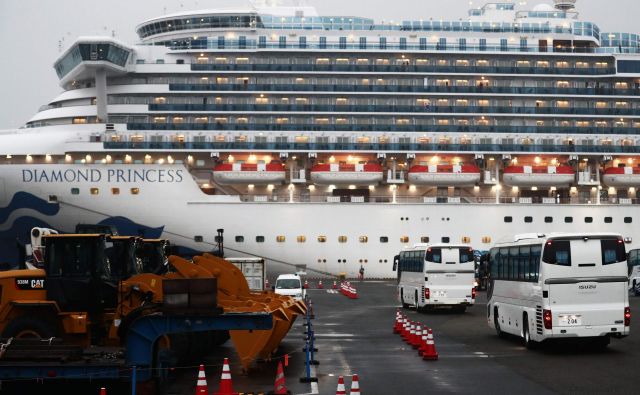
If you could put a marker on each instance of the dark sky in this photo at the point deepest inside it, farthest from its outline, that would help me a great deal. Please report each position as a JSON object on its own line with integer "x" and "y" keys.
{"x": 31, "y": 31}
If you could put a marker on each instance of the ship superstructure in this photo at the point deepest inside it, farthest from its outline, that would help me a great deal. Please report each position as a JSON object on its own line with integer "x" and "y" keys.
{"x": 334, "y": 141}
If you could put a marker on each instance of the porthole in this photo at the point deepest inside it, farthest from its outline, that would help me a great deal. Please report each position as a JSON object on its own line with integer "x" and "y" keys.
{"x": 324, "y": 261}
{"x": 339, "y": 260}
{"x": 385, "y": 261}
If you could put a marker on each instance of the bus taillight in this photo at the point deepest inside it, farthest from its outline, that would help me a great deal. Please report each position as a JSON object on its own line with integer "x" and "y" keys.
{"x": 546, "y": 317}
{"x": 627, "y": 316}
{"x": 427, "y": 293}
{"x": 473, "y": 293}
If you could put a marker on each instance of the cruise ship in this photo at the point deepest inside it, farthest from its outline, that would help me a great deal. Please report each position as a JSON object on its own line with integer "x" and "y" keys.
{"x": 330, "y": 143}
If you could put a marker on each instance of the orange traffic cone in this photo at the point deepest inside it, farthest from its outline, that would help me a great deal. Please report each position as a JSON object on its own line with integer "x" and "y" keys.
{"x": 355, "y": 385}
{"x": 335, "y": 285}
{"x": 103, "y": 391}
{"x": 201, "y": 385}
{"x": 280, "y": 387}
{"x": 418, "y": 337}
{"x": 412, "y": 333}
{"x": 396, "y": 325}
{"x": 306, "y": 284}
{"x": 405, "y": 328}
{"x": 226, "y": 386}
{"x": 320, "y": 286}
{"x": 340, "y": 390}
{"x": 423, "y": 341}
{"x": 430, "y": 352}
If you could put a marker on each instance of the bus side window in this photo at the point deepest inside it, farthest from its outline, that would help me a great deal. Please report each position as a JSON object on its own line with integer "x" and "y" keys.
{"x": 493, "y": 263}
{"x": 534, "y": 263}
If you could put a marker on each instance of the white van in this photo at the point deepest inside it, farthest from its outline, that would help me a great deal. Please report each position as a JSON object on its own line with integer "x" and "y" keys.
{"x": 290, "y": 285}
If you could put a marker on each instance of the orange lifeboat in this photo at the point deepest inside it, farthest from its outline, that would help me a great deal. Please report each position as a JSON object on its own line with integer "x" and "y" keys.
{"x": 622, "y": 176}
{"x": 249, "y": 173}
{"x": 326, "y": 174}
{"x": 544, "y": 176}
{"x": 445, "y": 175}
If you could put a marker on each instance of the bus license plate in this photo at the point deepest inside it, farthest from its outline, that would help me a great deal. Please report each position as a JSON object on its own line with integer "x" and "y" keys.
{"x": 440, "y": 294}
{"x": 570, "y": 320}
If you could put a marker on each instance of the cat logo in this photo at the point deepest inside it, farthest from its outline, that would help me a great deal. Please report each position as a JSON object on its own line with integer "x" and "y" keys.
{"x": 26, "y": 284}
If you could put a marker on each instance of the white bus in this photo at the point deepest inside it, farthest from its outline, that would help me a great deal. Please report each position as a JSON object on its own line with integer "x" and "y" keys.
{"x": 436, "y": 275}
{"x": 559, "y": 286}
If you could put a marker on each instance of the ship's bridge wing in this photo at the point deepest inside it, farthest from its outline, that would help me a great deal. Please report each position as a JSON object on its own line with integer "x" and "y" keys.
{"x": 90, "y": 53}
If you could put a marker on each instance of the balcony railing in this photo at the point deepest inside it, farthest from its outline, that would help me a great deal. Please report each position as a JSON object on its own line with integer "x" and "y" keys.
{"x": 404, "y": 69}
{"x": 320, "y": 108}
{"x": 404, "y": 89}
{"x": 377, "y": 147}
{"x": 333, "y": 127}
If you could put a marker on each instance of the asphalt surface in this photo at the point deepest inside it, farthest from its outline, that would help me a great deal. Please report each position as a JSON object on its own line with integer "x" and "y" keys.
{"x": 355, "y": 336}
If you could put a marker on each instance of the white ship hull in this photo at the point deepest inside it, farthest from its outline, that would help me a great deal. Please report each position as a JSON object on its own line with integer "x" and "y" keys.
{"x": 178, "y": 210}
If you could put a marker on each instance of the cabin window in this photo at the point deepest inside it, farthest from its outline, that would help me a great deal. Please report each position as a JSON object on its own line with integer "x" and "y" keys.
{"x": 198, "y": 239}
{"x": 608, "y": 220}
{"x": 404, "y": 239}
{"x": 239, "y": 239}
{"x": 445, "y": 239}
{"x": 588, "y": 220}
{"x": 424, "y": 239}
{"x": 568, "y": 220}
{"x": 342, "y": 239}
{"x": 508, "y": 219}
{"x": 94, "y": 191}
{"x": 75, "y": 191}
{"x": 628, "y": 220}
{"x": 115, "y": 191}
{"x": 301, "y": 239}
{"x": 135, "y": 191}
{"x": 384, "y": 239}
{"x": 364, "y": 239}
{"x": 322, "y": 239}
{"x": 528, "y": 220}
{"x": 280, "y": 239}
{"x": 548, "y": 220}
{"x": 259, "y": 239}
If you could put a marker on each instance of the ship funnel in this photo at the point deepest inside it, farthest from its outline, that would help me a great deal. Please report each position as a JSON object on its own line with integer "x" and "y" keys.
{"x": 565, "y": 5}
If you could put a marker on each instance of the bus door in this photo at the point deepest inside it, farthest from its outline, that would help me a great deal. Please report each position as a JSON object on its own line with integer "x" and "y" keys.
{"x": 586, "y": 280}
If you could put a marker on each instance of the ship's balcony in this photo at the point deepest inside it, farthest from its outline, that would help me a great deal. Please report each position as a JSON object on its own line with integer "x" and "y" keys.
{"x": 320, "y": 108}
{"x": 333, "y": 127}
{"x": 404, "y": 69}
{"x": 484, "y": 90}
{"x": 373, "y": 147}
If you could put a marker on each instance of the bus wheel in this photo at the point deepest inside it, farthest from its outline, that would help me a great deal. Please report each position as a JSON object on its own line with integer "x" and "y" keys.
{"x": 496, "y": 323}
{"x": 526, "y": 335}
{"x": 404, "y": 305}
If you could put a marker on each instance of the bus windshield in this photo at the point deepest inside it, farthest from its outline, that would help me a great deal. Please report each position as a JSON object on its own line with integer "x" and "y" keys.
{"x": 288, "y": 284}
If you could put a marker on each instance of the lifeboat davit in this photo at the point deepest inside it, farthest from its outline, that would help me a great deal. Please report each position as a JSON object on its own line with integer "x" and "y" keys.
{"x": 360, "y": 174}
{"x": 249, "y": 173}
{"x": 445, "y": 175}
{"x": 622, "y": 176}
{"x": 541, "y": 176}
